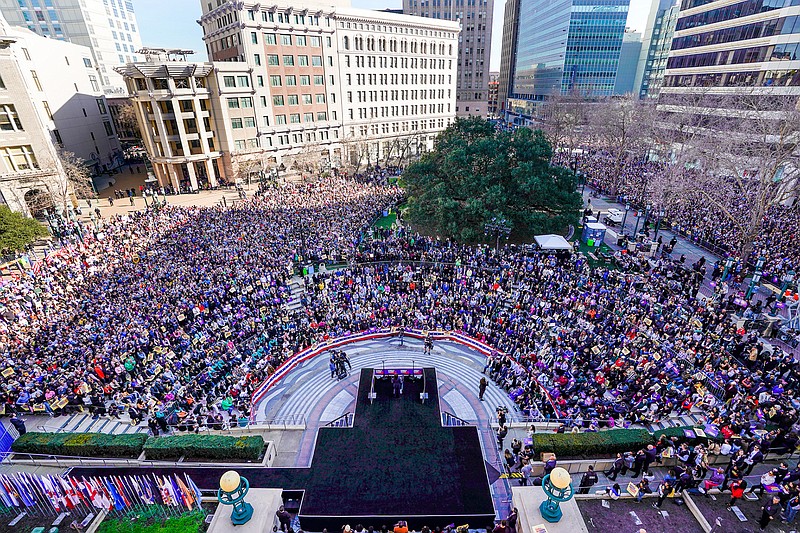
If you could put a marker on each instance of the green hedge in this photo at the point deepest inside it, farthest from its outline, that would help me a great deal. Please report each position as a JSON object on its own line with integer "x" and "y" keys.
{"x": 213, "y": 447}
{"x": 81, "y": 444}
{"x": 588, "y": 444}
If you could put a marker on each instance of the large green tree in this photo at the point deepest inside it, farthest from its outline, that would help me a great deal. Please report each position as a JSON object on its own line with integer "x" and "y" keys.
{"x": 17, "y": 231}
{"x": 475, "y": 173}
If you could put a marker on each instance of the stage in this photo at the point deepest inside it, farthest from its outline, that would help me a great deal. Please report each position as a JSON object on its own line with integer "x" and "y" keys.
{"x": 396, "y": 462}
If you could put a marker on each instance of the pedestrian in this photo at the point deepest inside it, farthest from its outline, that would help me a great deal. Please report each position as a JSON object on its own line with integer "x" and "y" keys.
{"x": 19, "y": 424}
{"x": 511, "y": 520}
{"x": 644, "y": 488}
{"x": 638, "y": 463}
{"x": 428, "y": 346}
{"x": 482, "y": 388}
{"x": 587, "y": 481}
{"x": 550, "y": 464}
{"x": 526, "y": 470}
{"x": 769, "y": 512}
{"x": 502, "y": 431}
{"x": 110, "y": 201}
{"x": 615, "y": 469}
{"x": 791, "y": 510}
{"x": 767, "y": 479}
{"x": 285, "y": 519}
{"x": 401, "y": 334}
{"x": 753, "y": 458}
{"x": 737, "y": 491}
{"x": 664, "y": 491}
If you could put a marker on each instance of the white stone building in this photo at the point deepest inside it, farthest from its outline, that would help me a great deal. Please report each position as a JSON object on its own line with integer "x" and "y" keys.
{"x": 64, "y": 86}
{"x": 30, "y": 170}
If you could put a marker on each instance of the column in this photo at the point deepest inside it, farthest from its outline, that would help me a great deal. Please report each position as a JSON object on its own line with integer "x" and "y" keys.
{"x": 212, "y": 178}
{"x": 192, "y": 175}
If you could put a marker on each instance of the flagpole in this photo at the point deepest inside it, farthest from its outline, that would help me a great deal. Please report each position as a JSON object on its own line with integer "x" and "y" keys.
{"x": 36, "y": 497}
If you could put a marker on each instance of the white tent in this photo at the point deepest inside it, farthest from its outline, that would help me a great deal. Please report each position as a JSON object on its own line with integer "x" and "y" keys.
{"x": 553, "y": 242}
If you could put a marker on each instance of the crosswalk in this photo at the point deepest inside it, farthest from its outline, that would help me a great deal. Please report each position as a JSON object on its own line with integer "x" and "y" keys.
{"x": 458, "y": 370}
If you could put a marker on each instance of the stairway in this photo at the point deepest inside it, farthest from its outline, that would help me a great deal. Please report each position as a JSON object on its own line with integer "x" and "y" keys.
{"x": 84, "y": 423}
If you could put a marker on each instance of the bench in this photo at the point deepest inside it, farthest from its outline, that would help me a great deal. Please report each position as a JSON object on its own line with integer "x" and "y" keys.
{"x": 592, "y": 256}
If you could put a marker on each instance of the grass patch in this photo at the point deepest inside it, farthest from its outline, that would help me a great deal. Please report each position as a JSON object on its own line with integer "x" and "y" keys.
{"x": 153, "y": 521}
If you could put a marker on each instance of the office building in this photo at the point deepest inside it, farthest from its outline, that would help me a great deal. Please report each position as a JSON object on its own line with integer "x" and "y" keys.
{"x": 563, "y": 47}
{"x": 656, "y": 44}
{"x": 629, "y": 55}
{"x": 494, "y": 83}
{"x": 30, "y": 172}
{"x": 64, "y": 87}
{"x": 474, "y": 47}
{"x": 722, "y": 47}
{"x": 107, "y": 27}
{"x": 295, "y": 88}
{"x": 508, "y": 53}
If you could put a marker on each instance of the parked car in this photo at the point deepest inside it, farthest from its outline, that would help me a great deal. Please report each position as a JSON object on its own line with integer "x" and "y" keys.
{"x": 613, "y": 217}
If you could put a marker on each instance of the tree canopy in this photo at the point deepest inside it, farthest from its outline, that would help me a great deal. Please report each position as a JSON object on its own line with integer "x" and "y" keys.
{"x": 17, "y": 231}
{"x": 476, "y": 173}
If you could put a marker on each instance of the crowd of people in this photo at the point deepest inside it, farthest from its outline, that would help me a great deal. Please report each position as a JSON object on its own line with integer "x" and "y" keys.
{"x": 179, "y": 313}
{"x": 692, "y": 216}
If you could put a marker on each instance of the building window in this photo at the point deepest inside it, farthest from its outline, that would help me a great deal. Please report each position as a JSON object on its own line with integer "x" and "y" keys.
{"x": 294, "y": 118}
{"x": 243, "y": 81}
{"x": 307, "y": 99}
{"x": 260, "y": 80}
{"x": 47, "y": 110}
{"x": 257, "y": 59}
{"x": 249, "y": 122}
{"x": 229, "y": 81}
{"x": 87, "y": 62}
{"x": 314, "y": 41}
{"x": 160, "y": 84}
{"x": 186, "y": 106}
{"x": 288, "y": 61}
{"x": 320, "y": 98}
{"x": 236, "y": 123}
{"x": 277, "y": 99}
{"x": 101, "y": 106}
{"x": 19, "y": 158}
{"x": 269, "y": 38}
{"x": 305, "y": 80}
{"x": 280, "y": 119}
{"x": 109, "y": 129}
{"x": 300, "y": 40}
{"x": 246, "y": 102}
{"x": 93, "y": 82}
{"x": 275, "y": 80}
{"x": 291, "y": 81}
{"x": 272, "y": 60}
{"x": 316, "y": 61}
{"x": 9, "y": 121}
{"x": 57, "y": 136}
{"x": 302, "y": 61}
{"x": 233, "y": 103}
{"x": 286, "y": 40}
{"x": 322, "y": 115}
{"x": 36, "y": 80}
{"x": 253, "y": 37}
{"x": 319, "y": 80}
{"x": 293, "y": 99}
{"x": 308, "y": 117}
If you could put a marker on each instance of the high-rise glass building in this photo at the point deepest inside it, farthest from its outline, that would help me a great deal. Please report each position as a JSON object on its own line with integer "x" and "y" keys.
{"x": 107, "y": 27}
{"x": 655, "y": 47}
{"x": 566, "y": 46}
{"x": 755, "y": 43}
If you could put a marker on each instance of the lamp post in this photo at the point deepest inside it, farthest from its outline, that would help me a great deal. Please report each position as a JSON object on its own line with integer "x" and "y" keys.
{"x": 558, "y": 488}
{"x": 729, "y": 262}
{"x": 497, "y": 226}
{"x": 788, "y": 278}
{"x": 232, "y": 490}
{"x": 756, "y": 277}
{"x": 625, "y": 217}
{"x": 661, "y": 214}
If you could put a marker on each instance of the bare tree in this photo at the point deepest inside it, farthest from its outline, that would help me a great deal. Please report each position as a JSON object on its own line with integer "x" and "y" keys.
{"x": 621, "y": 126}
{"x": 127, "y": 119}
{"x": 564, "y": 119}
{"x": 739, "y": 154}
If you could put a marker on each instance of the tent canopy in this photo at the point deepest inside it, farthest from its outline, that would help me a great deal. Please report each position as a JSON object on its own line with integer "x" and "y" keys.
{"x": 552, "y": 242}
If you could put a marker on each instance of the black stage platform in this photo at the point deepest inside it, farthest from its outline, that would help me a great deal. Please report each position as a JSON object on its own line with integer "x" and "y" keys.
{"x": 397, "y": 462}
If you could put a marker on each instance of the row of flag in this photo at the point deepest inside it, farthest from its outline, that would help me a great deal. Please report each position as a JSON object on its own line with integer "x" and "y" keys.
{"x": 48, "y": 493}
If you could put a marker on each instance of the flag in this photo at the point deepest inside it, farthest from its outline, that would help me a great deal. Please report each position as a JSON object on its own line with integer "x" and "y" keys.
{"x": 10, "y": 491}
{"x": 119, "y": 503}
{"x": 69, "y": 493}
{"x": 25, "y": 491}
{"x": 121, "y": 489}
{"x": 42, "y": 488}
{"x": 188, "y": 497}
{"x": 4, "y": 497}
{"x": 92, "y": 493}
{"x": 20, "y": 490}
{"x": 198, "y": 495}
{"x": 50, "y": 493}
{"x": 176, "y": 500}
{"x": 164, "y": 491}
{"x": 35, "y": 488}
{"x": 147, "y": 491}
{"x": 62, "y": 499}
{"x": 176, "y": 490}
{"x": 105, "y": 499}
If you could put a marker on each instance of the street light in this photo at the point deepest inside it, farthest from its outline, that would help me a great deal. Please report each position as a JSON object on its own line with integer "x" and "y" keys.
{"x": 788, "y": 278}
{"x": 661, "y": 214}
{"x": 729, "y": 262}
{"x": 497, "y": 226}
{"x": 625, "y": 217}
{"x": 636, "y": 229}
{"x": 756, "y": 277}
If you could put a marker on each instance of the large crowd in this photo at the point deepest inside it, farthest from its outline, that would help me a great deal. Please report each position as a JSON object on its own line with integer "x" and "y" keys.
{"x": 694, "y": 217}
{"x": 179, "y": 313}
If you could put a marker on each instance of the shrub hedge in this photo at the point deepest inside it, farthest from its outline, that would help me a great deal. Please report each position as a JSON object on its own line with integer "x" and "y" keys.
{"x": 81, "y": 444}
{"x": 212, "y": 447}
{"x": 587, "y": 444}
